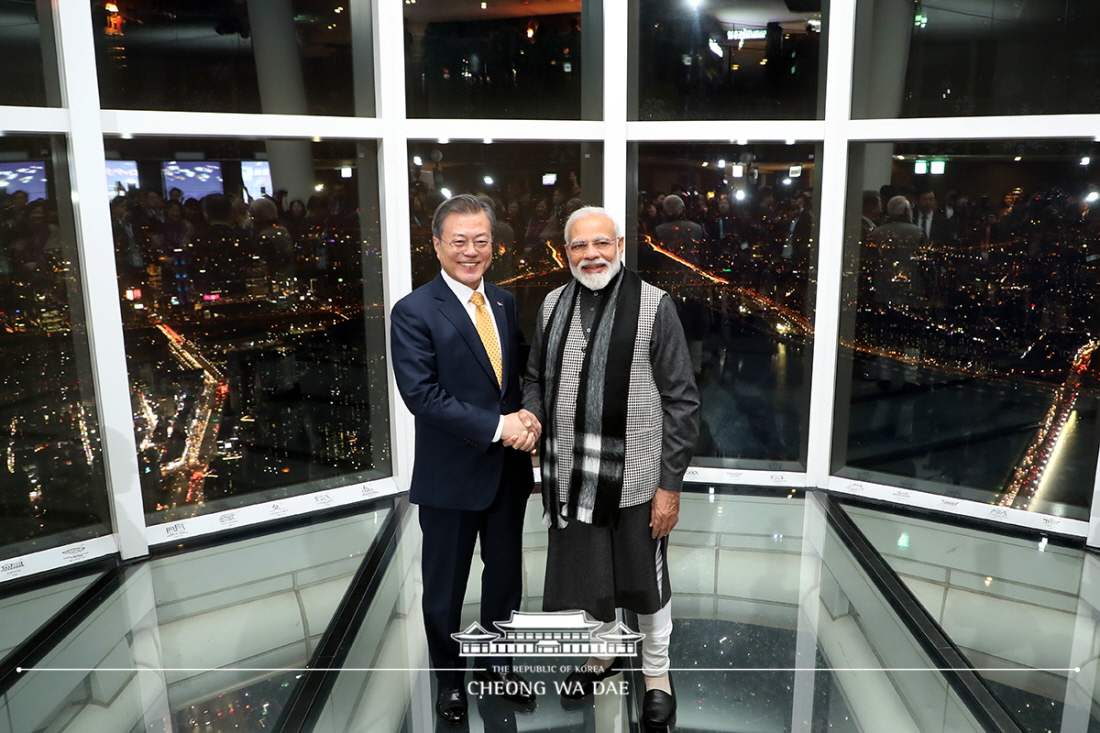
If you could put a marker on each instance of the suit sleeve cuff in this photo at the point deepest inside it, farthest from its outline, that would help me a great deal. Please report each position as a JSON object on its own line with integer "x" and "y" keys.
{"x": 500, "y": 430}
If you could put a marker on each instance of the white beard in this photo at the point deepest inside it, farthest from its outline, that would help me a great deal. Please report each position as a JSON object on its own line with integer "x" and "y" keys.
{"x": 597, "y": 281}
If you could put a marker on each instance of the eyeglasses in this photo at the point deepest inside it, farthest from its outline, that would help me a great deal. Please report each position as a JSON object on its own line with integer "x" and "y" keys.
{"x": 459, "y": 245}
{"x": 602, "y": 244}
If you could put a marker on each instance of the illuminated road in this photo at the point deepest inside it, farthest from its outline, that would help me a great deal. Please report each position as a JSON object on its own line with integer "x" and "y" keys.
{"x": 186, "y": 474}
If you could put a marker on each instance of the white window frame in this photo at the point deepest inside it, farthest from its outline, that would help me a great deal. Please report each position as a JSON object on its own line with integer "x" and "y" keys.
{"x": 84, "y": 123}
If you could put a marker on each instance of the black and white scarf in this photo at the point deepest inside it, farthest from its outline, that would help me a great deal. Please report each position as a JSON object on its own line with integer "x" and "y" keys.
{"x": 599, "y": 424}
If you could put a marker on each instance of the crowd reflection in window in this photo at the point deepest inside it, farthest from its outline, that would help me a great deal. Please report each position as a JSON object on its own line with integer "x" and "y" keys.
{"x": 254, "y": 331}
{"x": 51, "y": 472}
{"x": 734, "y": 244}
{"x": 975, "y": 329}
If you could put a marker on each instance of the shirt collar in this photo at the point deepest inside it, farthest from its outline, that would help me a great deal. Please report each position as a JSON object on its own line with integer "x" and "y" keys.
{"x": 462, "y": 291}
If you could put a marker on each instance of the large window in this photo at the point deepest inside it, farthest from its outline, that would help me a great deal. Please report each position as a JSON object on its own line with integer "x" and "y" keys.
{"x": 968, "y": 367}
{"x": 507, "y": 60}
{"x": 739, "y": 61}
{"x": 254, "y": 319}
{"x": 987, "y": 57}
{"x": 274, "y": 56}
{"x": 730, "y": 232}
{"x": 52, "y": 487}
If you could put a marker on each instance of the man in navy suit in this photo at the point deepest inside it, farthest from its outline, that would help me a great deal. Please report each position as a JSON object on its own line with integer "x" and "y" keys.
{"x": 472, "y": 469}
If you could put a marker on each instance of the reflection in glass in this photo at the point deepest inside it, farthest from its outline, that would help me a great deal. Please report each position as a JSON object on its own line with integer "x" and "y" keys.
{"x": 533, "y": 188}
{"x": 180, "y": 644}
{"x": 30, "y": 62}
{"x": 959, "y": 57}
{"x": 271, "y": 56}
{"x": 27, "y": 612}
{"x": 728, "y": 60}
{"x": 1035, "y": 659}
{"x": 504, "y": 60}
{"x": 729, "y": 231}
{"x": 967, "y": 362}
{"x": 253, "y": 320}
{"x": 52, "y": 488}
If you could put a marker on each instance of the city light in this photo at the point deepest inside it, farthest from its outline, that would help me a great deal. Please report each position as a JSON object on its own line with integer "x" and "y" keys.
{"x": 488, "y": 180}
{"x": 418, "y": 161}
{"x": 937, "y": 167}
{"x": 1092, "y": 197}
{"x": 1086, "y": 160}
{"x": 722, "y": 163}
{"x": 920, "y": 167}
{"x": 740, "y": 194}
{"x": 446, "y": 193}
{"x": 738, "y": 170}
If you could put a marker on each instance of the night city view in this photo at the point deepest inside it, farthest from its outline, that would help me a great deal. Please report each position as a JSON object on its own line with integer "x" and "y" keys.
{"x": 51, "y": 468}
{"x": 254, "y": 326}
{"x": 254, "y": 338}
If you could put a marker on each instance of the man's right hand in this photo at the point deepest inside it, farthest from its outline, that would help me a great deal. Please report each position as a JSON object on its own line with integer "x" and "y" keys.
{"x": 521, "y": 431}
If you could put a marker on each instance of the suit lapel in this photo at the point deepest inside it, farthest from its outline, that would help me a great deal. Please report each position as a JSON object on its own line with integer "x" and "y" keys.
{"x": 455, "y": 312}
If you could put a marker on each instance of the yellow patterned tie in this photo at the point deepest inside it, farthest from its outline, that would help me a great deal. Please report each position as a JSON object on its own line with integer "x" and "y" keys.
{"x": 487, "y": 333}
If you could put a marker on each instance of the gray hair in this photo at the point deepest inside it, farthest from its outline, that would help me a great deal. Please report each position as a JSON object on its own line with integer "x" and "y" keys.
{"x": 465, "y": 204}
{"x": 583, "y": 213}
{"x": 673, "y": 204}
{"x": 263, "y": 208}
{"x": 898, "y": 206}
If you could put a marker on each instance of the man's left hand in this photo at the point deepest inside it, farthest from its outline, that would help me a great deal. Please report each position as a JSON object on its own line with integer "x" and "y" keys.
{"x": 665, "y": 512}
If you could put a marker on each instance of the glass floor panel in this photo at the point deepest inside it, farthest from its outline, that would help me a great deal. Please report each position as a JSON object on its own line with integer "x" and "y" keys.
{"x": 208, "y": 640}
{"x": 25, "y": 613}
{"x": 777, "y": 628}
{"x": 1024, "y": 612}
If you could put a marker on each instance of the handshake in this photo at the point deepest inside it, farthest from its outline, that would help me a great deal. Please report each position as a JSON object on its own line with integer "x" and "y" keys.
{"x": 521, "y": 431}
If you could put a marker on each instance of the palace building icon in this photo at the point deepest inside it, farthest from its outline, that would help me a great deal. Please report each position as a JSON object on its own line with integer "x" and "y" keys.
{"x": 559, "y": 634}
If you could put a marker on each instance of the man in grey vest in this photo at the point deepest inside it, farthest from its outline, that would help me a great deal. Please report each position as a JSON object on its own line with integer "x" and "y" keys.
{"x": 610, "y": 380}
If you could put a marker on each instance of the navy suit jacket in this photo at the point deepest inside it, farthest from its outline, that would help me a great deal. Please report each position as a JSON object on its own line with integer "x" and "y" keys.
{"x": 447, "y": 382}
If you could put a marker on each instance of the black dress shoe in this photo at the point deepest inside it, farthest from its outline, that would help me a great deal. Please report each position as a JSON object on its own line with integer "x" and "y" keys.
{"x": 451, "y": 705}
{"x": 508, "y": 685}
{"x": 658, "y": 708}
{"x": 581, "y": 682}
